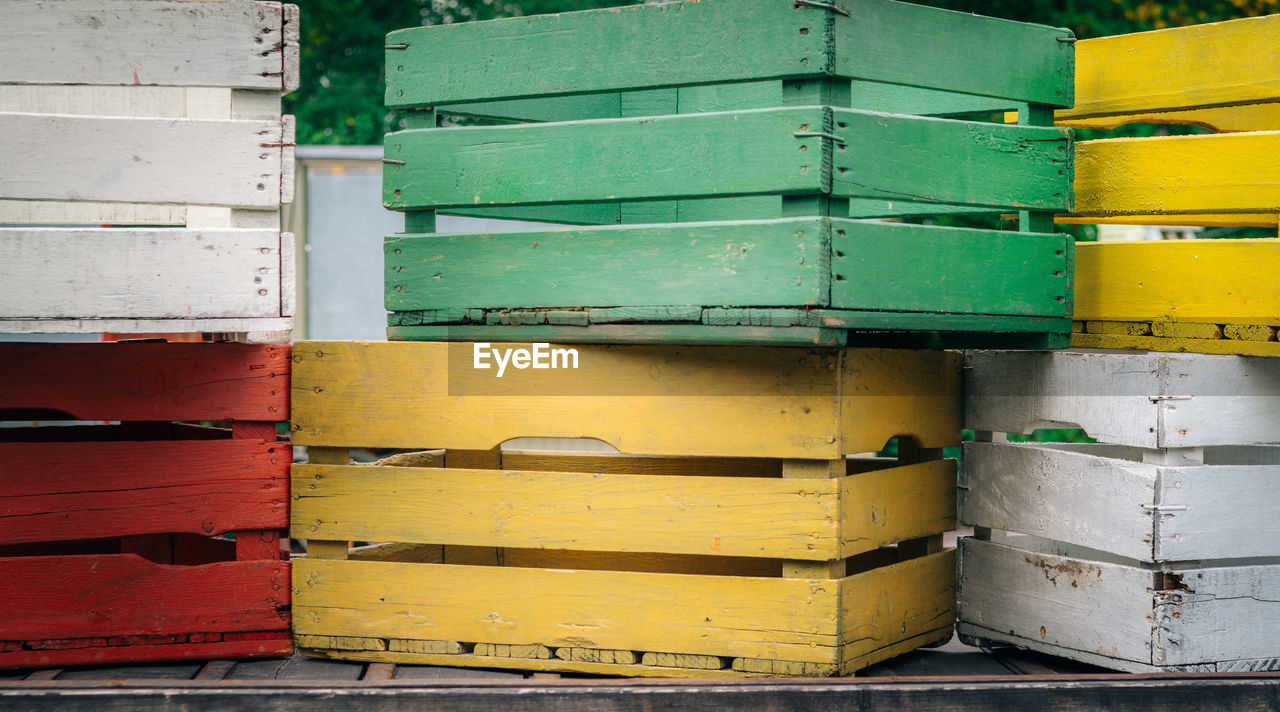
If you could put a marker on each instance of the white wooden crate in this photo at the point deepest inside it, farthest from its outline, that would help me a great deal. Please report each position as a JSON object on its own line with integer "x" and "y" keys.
{"x": 1146, "y": 400}
{"x": 1105, "y": 497}
{"x": 163, "y": 116}
{"x": 1119, "y": 615}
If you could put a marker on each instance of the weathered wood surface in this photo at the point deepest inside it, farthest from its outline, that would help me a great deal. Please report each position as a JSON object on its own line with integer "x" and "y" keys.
{"x": 163, "y": 43}
{"x": 667, "y": 46}
{"x": 235, "y": 163}
{"x": 139, "y": 274}
{"x": 1104, "y": 497}
{"x": 1144, "y": 400}
{"x": 1120, "y": 616}
{"x": 147, "y": 381}
{"x": 252, "y": 331}
{"x": 782, "y": 402}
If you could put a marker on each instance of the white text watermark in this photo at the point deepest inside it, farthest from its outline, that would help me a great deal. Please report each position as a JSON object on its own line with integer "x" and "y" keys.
{"x": 539, "y": 356}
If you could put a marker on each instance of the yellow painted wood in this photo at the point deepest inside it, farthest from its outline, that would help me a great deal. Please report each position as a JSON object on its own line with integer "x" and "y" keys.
{"x": 894, "y": 603}
{"x": 1249, "y": 332}
{"x": 1179, "y": 68}
{"x": 1185, "y": 330}
{"x": 1155, "y": 343}
{"x": 893, "y": 505}
{"x": 782, "y": 619}
{"x": 714, "y": 516}
{"x": 641, "y": 464}
{"x": 1220, "y": 119}
{"x": 661, "y": 400}
{"x": 392, "y": 551}
{"x": 536, "y": 652}
{"x": 1206, "y": 281}
{"x": 596, "y": 655}
{"x": 552, "y": 665}
{"x": 341, "y": 643}
{"x": 1123, "y": 328}
{"x": 679, "y": 660}
{"x": 436, "y": 647}
{"x": 1191, "y": 220}
{"x": 1167, "y": 175}
{"x": 827, "y": 564}
{"x": 785, "y": 667}
{"x": 319, "y": 548}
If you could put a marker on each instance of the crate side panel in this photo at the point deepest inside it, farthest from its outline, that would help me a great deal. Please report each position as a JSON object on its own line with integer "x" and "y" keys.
{"x": 885, "y": 606}
{"x": 1220, "y": 614}
{"x": 1229, "y": 512}
{"x": 895, "y": 504}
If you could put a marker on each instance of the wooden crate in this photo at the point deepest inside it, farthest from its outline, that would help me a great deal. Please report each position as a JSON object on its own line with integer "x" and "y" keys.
{"x": 733, "y": 537}
{"x": 1151, "y": 550}
{"x": 1207, "y": 297}
{"x": 164, "y": 117}
{"x": 726, "y": 201}
{"x": 1116, "y": 613}
{"x": 110, "y": 546}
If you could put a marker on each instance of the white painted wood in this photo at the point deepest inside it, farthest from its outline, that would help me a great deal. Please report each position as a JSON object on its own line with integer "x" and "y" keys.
{"x": 1107, "y": 499}
{"x": 204, "y": 162}
{"x": 65, "y": 273}
{"x": 288, "y": 275}
{"x": 1125, "y": 617}
{"x": 292, "y": 48}
{"x": 1149, "y": 400}
{"x": 288, "y": 164}
{"x": 52, "y": 212}
{"x": 278, "y": 325}
{"x": 144, "y": 42}
{"x": 152, "y": 102}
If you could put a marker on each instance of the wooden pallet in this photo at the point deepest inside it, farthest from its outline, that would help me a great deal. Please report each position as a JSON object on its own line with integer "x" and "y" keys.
{"x": 163, "y": 117}
{"x": 110, "y": 546}
{"x": 725, "y": 202}
{"x": 732, "y": 538}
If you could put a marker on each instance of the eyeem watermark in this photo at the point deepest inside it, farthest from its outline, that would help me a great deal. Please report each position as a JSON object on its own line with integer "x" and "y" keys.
{"x": 541, "y": 356}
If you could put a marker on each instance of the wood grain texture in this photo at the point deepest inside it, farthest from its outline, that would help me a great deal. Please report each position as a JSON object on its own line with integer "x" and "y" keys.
{"x": 64, "y": 157}
{"x": 1152, "y": 400}
{"x": 148, "y": 381}
{"x": 1169, "y": 175}
{"x": 108, "y": 596}
{"x": 724, "y": 153}
{"x": 163, "y": 43}
{"x": 254, "y": 331}
{"x": 783, "y": 402}
{"x": 139, "y": 274}
{"x": 891, "y": 505}
{"x": 911, "y": 602}
{"x": 1129, "y": 342}
{"x": 86, "y": 490}
{"x": 1207, "y": 281}
{"x": 277, "y": 644}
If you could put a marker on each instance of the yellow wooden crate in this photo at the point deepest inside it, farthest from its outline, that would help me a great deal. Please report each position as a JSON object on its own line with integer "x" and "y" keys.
{"x": 733, "y": 537}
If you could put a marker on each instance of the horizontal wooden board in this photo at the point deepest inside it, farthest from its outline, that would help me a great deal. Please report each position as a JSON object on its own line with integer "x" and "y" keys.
{"x": 722, "y": 153}
{"x": 914, "y": 600}
{"x": 1207, "y": 281}
{"x": 160, "y": 43}
{"x": 667, "y": 46}
{"x": 742, "y": 263}
{"x": 1144, "y": 400}
{"x": 782, "y": 402}
{"x": 1132, "y": 342}
{"x": 147, "y": 381}
{"x": 1246, "y": 117}
{"x": 234, "y": 163}
{"x": 1204, "y": 65}
{"x": 274, "y": 646}
{"x": 899, "y": 99}
{"x": 891, "y": 505}
{"x": 256, "y": 331}
{"x": 888, "y": 266}
{"x": 1169, "y": 175}
{"x": 105, "y": 596}
{"x": 638, "y": 334}
{"x": 139, "y": 274}
{"x": 87, "y": 490}
{"x": 922, "y": 159}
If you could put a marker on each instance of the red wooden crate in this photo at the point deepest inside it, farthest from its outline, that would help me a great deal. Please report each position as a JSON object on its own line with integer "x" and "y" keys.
{"x": 110, "y": 546}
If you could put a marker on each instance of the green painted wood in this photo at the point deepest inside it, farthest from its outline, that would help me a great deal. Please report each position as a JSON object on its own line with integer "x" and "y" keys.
{"x": 551, "y": 108}
{"x": 765, "y": 263}
{"x": 700, "y": 155}
{"x": 890, "y": 156}
{"x": 898, "y": 43}
{"x": 626, "y": 334}
{"x": 876, "y": 208}
{"x": 655, "y": 102}
{"x": 670, "y": 44}
{"x": 622, "y": 315}
{"x": 567, "y": 213}
{"x": 977, "y": 324}
{"x": 916, "y": 268}
{"x": 899, "y": 99}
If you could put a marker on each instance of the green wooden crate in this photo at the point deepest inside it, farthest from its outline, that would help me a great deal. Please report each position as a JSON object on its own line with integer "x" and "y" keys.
{"x": 722, "y": 165}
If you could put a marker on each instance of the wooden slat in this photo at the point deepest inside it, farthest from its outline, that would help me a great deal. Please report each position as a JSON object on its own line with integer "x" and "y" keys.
{"x": 738, "y": 153}
{"x": 191, "y": 161}
{"x": 781, "y": 402}
{"x": 1020, "y": 274}
{"x": 120, "y": 595}
{"x": 668, "y": 46}
{"x": 1207, "y": 281}
{"x": 160, "y": 43}
{"x": 892, "y": 609}
{"x": 67, "y": 491}
{"x": 709, "y": 615}
{"x": 276, "y": 645}
{"x": 255, "y": 331}
{"x": 559, "y": 461}
{"x": 739, "y": 516}
{"x": 1168, "y": 175}
{"x": 148, "y": 381}
{"x": 139, "y": 274}
{"x": 895, "y": 504}
{"x": 1221, "y": 119}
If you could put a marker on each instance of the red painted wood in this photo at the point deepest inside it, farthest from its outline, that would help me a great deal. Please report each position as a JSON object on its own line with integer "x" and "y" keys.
{"x": 253, "y": 545}
{"x": 156, "y": 548}
{"x": 56, "y": 491}
{"x": 193, "y": 550}
{"x": 147, "y": 381}
{"x": 253, "y": 430}
{"x": 278, "y": 646}
{"x": 51, "y": 598}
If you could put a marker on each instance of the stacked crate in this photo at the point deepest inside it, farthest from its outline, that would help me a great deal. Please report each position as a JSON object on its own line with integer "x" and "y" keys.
{"x": 148, "y": 526}
{"x": 713, "y": 166}
{"x": 1154, "y": 548}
